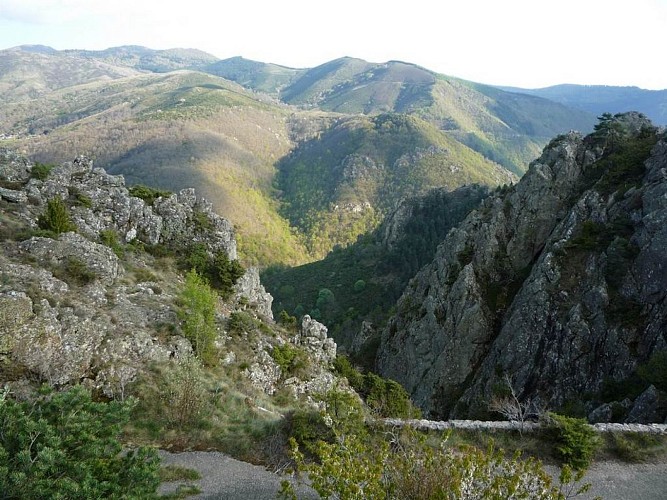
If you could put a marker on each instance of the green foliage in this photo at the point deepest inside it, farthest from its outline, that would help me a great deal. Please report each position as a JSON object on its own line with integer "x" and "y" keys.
{"x": 74, "y": 271}
{"x": 171, "y": 473}
{"x": 183, "y": 393}
{"x": 308, "y": 427}
{"x": 286, "y": 320}
{"x": 109, "y": 237}
{"x": 359, "y": 286}
{"x": 655, "y": 370}
{"x": 344, "y": 368}
{"x": 78, "y": 198}
{"x": 148, "y": 194}
{"x": 385, "y": 397}
{"x": 635, "y": 446}
{"x": 56, "y": 217}
{"x": 353, "y": 467}
{"x": 41, "y": 171}
{"x": 221, "y": 273}
{"x": 292, "y": 360}
{"x": 198, "y": 316}
{"x": 575, "y": 440}
{"x": 242, "y": 322}
{"x": 64, "y": 445}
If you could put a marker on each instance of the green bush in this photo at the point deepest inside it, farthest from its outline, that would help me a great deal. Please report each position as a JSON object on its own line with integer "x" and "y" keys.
{"x": 385, "y": 397}
{"x": 353, "y": 467}
{"x": 148, "y": 194}
{"x": 241, "y": 322}
{"x": 109, "y": 237}
{"x": 575, "y": 440}
{"x": 56, "y": 217}
{"x": 198, "y": 316}
{"x": 344, "y": 368}
{"x": 74, "y": 271}
{"x": 64, "y": 445}
{"x": 41, "y": 171}
{"x": 221, "y": 272}
{"x": 292, "y": 360}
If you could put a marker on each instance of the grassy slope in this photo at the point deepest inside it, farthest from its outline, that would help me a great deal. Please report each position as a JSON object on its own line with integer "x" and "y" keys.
{"x": 174, "y": 131}
{"x": 263, "y": 77}
{"x": 506, "y": 127}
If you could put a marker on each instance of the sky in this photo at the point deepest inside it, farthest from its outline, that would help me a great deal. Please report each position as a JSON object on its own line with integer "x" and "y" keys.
{"x": 522, "y": 43}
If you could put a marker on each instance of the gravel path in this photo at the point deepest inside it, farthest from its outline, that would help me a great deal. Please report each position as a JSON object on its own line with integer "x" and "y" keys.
{"x": 226, "y": 478}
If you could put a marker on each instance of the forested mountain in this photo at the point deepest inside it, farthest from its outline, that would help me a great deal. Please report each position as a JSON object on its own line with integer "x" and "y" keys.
{"x": 262, "y": 163}
{"x": 506, "y": 127}
{"x": 599, "y": 99}
{"x": 353, "y": 289}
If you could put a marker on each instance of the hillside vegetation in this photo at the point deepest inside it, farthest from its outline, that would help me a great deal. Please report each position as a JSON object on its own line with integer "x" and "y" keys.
{"x": 298, "y": 177}
{"x": 342, "y": 183}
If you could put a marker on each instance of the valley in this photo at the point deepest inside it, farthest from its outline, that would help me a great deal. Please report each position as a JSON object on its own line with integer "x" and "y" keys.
{"x": 241, "y": 257}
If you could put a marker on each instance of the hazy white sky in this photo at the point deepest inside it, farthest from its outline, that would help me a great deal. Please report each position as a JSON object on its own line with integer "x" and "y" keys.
{"x": 526, "y": 43}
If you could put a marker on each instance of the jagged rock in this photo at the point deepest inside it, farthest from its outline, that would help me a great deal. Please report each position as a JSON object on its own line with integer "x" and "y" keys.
{"x": 15, "y": 310}
{"x": 188, "y": 219}
{"x": 313, "y": 338}
{"x": 96, "y": 258}
{"x": 14, "y": 167}
{"x": 601, "y": 414}
{"x": 646, "y": 408}
{"x": 264, "y": 373}
{"x": 520, "y": 289}
{"x": 13, "y": 195}
{"x": 320, "y": 384}
{"x": 250, "y": 287}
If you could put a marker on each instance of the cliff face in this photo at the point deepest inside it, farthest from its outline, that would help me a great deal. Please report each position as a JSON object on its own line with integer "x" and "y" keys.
{"x": 81, "y": 307}
{"x": 558, "y": 282}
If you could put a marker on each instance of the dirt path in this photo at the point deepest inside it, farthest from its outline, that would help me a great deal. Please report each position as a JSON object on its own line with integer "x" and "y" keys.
{"x": 226, "y": 478}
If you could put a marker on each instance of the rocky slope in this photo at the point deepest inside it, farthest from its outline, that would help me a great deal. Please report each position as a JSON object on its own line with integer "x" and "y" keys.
{"x": 557, "y": 283}
{"x": 99, "y": 302}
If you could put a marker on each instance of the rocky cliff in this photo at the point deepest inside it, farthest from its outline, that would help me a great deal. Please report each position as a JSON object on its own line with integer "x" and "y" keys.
{"x": 557, "y": 284}
{"x": 98, "y": 301}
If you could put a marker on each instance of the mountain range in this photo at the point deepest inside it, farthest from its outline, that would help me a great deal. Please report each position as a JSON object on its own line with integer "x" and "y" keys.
{"x": 384, "y": 181}
{"x": 301, "y": 160}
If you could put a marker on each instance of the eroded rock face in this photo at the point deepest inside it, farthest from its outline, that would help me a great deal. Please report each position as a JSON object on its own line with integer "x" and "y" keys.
{"x": 313, "y": 338}
{"x": 249, "y": 288}
{"x": 90, "y": 324}
{"x": 558, "y": 282}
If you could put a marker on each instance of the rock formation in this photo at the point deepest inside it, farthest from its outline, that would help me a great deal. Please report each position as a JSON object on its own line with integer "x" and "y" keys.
{"x": 71, "y": 310}
{"x": 558, "y": 283}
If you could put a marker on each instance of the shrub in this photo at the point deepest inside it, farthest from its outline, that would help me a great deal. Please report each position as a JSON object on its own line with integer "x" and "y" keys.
{"x": 56, "y": 217}
{"x": 41, "y": 171}
{"x": 287, "y": 320}
{"x": 148, "y": 194}
{"x": 575, "y": 440}
{"x": 359, "y": 286}
{"x": 353, "y": 467}
{"x": 292, "y": 360}
{"x": 198, "y": 316}
{"x": 74, "y": 271}
{"x": 66, "y": 446}
{"x": 241, "y": 322}
{"x": 109, "y": 237}
{"x": 184, "y": 393}
{"x": 221, "y": 272}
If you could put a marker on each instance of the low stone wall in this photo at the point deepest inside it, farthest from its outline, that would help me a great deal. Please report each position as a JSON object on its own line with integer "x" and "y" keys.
{"x": 504, "y": 425}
